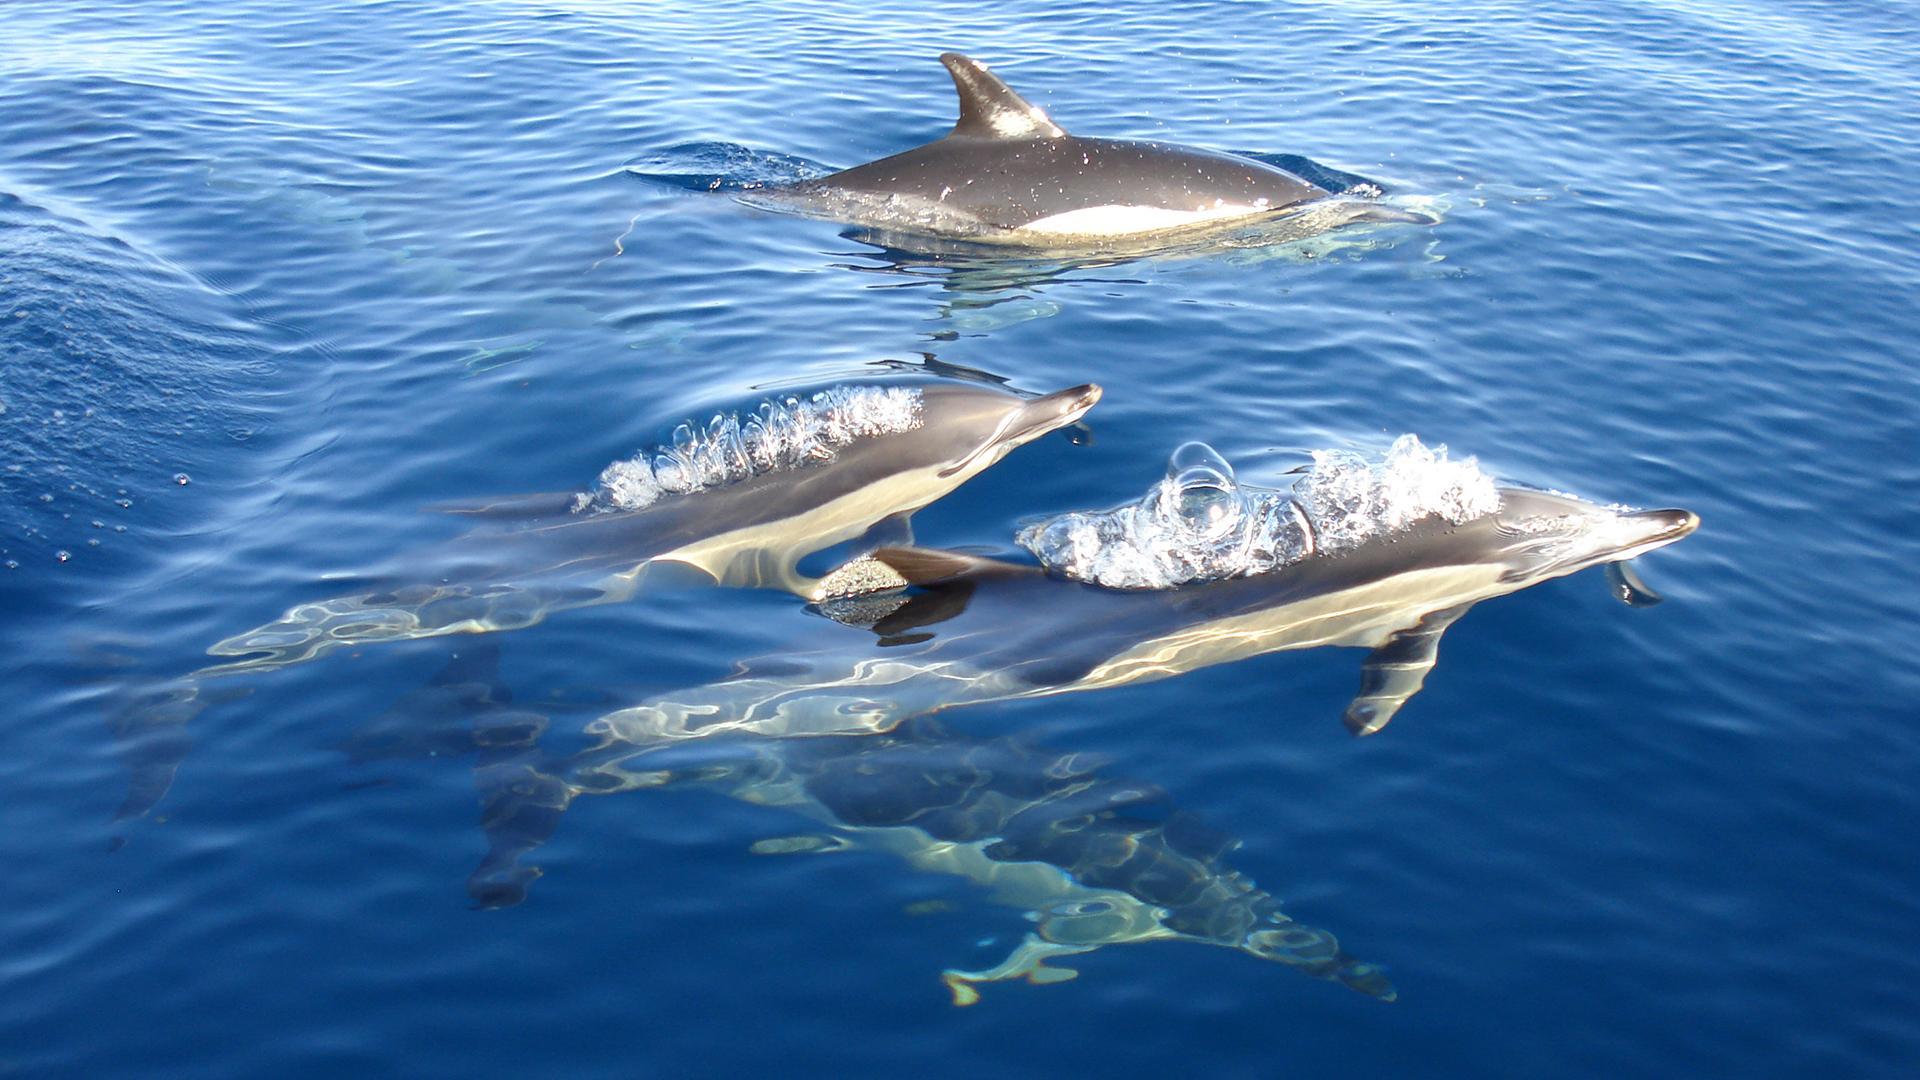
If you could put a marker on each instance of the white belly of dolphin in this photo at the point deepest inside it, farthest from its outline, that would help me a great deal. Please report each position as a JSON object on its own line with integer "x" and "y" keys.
{"x": 1118, "y": 219}
{"x": 764, "y": 555}
{"x": 1364, "y": 616}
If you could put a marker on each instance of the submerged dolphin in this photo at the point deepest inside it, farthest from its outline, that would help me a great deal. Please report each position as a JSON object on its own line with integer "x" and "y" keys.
{"x": 978, "y": 630}
{"x": 740, "y": 502}
{"x": 1092, "y": 860}
{"x": 1006, "y": 173}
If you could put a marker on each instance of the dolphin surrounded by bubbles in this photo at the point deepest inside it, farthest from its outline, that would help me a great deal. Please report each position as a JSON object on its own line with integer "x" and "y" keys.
{"x": 1382, "y": 555}
{"x": 738, "y": 501}
{"x": 1008, "y": 174}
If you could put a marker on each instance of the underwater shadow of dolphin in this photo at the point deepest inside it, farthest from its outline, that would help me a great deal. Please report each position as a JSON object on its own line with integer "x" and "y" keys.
{"x": 1007, "y": 174}
{"x": 1093, "y": 861}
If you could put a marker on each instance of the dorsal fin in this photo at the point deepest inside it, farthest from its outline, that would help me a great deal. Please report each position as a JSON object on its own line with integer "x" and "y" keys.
{"x": 989, "y": 109}
{"x": 926, "y": 566}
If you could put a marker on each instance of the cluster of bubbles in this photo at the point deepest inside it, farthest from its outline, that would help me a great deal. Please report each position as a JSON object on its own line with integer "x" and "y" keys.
{"x": 1201, "y": 524}
{"x": 1352, "y": 499}
{"x": 781, "y": 433}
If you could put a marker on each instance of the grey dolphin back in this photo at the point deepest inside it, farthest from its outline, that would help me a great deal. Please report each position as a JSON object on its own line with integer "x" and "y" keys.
{"x": 990, "y": 109}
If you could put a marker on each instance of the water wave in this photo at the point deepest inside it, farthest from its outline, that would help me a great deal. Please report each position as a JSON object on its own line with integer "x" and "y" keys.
{"x": 117, "y": 369}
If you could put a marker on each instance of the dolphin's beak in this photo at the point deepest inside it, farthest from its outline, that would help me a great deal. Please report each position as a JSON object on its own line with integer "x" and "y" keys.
{"x": 1642, "y": 531}
{"x": 1665, "y": 526}
{"x": 1030, "y": 421}
{"x": 1054, "y": 411}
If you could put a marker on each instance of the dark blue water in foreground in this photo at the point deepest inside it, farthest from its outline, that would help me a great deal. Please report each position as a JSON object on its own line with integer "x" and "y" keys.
{"x": 333, "y": 263}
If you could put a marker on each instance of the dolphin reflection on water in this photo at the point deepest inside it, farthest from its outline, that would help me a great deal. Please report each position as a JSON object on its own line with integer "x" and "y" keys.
{"x": 1092, "y": 860}
{"x": 739, "y": 501}
{"x": 1320, "y": 567}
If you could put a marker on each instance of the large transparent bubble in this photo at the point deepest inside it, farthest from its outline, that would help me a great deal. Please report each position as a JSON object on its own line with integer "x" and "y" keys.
{"x": 780, "y": 433}
{"x": 1200, "y": 524}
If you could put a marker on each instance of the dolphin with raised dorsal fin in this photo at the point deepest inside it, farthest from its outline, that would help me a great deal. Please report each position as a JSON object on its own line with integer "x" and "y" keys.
{"x": 1008, "y": 173}
{"x": 1093, "y": 861}
{"x": 979, "y": 630}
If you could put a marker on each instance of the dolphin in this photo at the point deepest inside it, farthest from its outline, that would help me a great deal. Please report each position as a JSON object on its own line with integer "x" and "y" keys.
{"x": 738, "y": 503}
{"x": 965, "y": 630}
{"x": 1008, "y": 174}
{"x": 1091, "y": 860}
{"x": 730, "y": 519}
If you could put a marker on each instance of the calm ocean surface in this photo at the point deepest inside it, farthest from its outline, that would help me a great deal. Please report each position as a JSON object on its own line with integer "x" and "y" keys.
{"x": 276, "y": 277}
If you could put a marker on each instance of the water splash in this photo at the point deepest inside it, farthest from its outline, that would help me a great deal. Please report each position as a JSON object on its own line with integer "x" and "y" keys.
{"x": 1351, "y": 500}
{"x": 1200, "y": 524}
{"x": 780, "y": 433}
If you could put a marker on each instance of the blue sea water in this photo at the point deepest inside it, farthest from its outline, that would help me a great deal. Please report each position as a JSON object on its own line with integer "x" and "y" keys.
{"x": 275, "y": 277}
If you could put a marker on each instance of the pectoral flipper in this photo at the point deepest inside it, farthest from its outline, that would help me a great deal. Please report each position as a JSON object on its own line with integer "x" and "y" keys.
{"x": 1395, "y": 671}
{"x": 1628, "y": 587}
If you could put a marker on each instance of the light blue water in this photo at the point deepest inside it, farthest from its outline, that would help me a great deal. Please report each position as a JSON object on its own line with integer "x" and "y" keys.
{"x": 333, "y": 263}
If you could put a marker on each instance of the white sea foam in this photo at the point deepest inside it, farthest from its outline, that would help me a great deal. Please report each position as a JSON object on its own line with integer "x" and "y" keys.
{"x": 780, "y": 433}
{"x": 1352, "y": 500}
{"x": 1201, "y": 524}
